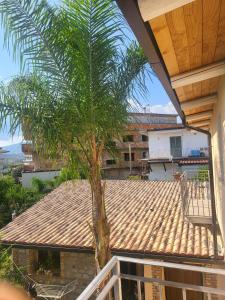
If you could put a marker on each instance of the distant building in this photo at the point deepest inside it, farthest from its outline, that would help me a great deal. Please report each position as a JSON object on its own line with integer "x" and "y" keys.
{"x": 175, "y": 150}
{"x": 129, "y": 150}
{"x": 36, "y": 166}
{"x": 133, "y": 145}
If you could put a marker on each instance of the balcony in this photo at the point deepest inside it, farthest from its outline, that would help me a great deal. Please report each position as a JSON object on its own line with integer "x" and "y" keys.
{"x": 134, "y": 145}
{"x": 110, "y": 281}
{"x": 178, "y": 153}
{"x": 196, "y": 196}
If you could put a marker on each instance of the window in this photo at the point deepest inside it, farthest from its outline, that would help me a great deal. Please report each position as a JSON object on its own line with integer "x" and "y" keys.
{"x": 110, "y": 162}
{"x": 144, "y": 138}
{"x": 144, "y": 154}
{"x": 49, "y": 260}
{"x": 175, "y": 146}
{"x": 127, "y": 156}
{"x": 128, "y": 138}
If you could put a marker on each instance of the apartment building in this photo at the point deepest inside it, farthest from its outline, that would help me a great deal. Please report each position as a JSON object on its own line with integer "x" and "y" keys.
{"x": 130, "y": 149}
{"x": 173, "y": 151}
{"x": 133, "y": 146}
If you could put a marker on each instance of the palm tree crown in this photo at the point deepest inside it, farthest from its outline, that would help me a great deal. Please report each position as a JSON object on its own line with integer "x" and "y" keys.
{"x": 79, "y": 75}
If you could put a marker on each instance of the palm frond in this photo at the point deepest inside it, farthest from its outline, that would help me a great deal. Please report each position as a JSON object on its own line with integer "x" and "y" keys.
{"x": 32, "y": 27}
{"x": 28, "y": 104}
{"x": 132, "y": 73}
{"x": 85, "y": 77}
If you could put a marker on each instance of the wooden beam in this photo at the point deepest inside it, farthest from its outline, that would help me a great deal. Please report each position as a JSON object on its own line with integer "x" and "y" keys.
{"x": 199, "y": 116}
{"x": 195, "y": 103}
{"x": 200, "y": 124}
{"x": 205, "y": 128}
{"x": 200, "y": 74}
{"x": 151, "y": 9}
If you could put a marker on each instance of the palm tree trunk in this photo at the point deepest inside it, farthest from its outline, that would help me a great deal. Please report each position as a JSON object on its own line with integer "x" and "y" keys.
{"x": 101, "y": 228}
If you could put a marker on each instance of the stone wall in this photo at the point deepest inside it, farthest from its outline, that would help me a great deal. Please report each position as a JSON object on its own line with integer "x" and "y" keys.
{"x": 77, "y": 267}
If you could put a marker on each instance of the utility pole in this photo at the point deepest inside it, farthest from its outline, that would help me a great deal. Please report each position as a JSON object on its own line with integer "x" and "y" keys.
{"x": 130, "y": 162}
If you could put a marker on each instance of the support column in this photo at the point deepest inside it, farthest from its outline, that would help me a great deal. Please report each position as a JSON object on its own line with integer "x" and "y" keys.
{"x": 152, "y": 292}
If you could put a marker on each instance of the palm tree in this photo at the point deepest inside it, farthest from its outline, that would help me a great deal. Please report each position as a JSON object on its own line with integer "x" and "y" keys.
{"x": 73, "y": 98}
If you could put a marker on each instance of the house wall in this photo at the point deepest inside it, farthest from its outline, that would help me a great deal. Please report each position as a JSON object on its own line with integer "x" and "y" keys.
{"x": 77, "y": 267}
{"x": 121, "y": 168}
{"x": 218, "y": 153}
{"x": 158, "y": 172}
{"x": 116, "y": 173}
{"x": 45, "y": 175}
{"x": 159, "y": 142}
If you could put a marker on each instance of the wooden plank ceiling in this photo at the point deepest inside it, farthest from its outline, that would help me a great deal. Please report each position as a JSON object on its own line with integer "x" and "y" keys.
{"x": 190, "y": 37}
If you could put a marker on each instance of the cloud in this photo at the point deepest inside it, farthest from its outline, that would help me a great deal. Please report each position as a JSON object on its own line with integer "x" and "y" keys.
{"x": 167, "y": 108}
{"x": 163, "y": 109}
{"x": 10, "y": 141}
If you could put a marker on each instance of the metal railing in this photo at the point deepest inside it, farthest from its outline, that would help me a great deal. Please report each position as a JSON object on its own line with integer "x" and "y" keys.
{"x": 196, "y": 196}
{"x": 108, "y": 281}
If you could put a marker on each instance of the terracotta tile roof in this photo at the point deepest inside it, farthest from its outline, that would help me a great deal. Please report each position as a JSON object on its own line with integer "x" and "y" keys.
{"x": 145, "y": 217}
{"x": 152, "y": 126}
{"x": 193, "y": 161}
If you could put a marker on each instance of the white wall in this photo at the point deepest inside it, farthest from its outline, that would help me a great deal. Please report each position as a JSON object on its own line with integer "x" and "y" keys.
{"x": 28, "y": 176}
{"x": 218, "y": 153}
{"x": 159, "y": 142}
{"x": 158, "y": 172}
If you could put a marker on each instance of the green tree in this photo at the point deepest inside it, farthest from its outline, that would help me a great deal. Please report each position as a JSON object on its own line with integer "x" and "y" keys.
{"x": 14, "y": 198}
{"x": 76, "y": 98}
{"x": 7, "y": 270}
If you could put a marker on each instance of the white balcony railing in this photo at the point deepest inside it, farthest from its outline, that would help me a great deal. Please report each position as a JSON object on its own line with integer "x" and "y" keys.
{"x": 108, "y": 281}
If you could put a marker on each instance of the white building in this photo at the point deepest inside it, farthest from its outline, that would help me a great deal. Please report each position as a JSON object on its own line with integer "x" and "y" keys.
{"x": 174, "y": 150}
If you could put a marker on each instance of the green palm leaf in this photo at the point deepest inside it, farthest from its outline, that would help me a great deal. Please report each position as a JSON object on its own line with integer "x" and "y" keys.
{"x": 75, "y": 97}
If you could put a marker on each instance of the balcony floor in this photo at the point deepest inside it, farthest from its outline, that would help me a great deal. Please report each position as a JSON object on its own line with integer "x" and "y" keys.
{"x": 199, "y": 203}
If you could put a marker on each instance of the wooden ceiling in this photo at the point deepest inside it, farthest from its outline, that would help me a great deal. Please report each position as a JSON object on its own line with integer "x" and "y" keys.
{"x": 190, "y": 37}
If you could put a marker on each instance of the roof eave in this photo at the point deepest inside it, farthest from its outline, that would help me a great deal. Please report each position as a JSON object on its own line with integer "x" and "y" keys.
{"x": 147, "y": 40}
{"x": 121, "y": 252}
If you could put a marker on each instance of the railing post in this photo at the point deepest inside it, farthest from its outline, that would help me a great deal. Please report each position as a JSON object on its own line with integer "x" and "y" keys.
{"x": 139, "y": 290}
{"x": 160, "y": 292}
{"x": 117, "y": 286}
{"x": 184, "y": 294}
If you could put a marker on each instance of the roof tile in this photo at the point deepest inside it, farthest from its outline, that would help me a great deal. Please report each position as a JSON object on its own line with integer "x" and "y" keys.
{"x": 145, "y": 217}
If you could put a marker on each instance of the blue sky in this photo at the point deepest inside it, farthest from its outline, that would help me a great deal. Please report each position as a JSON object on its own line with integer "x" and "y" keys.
{"x": 156, "y": 101}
